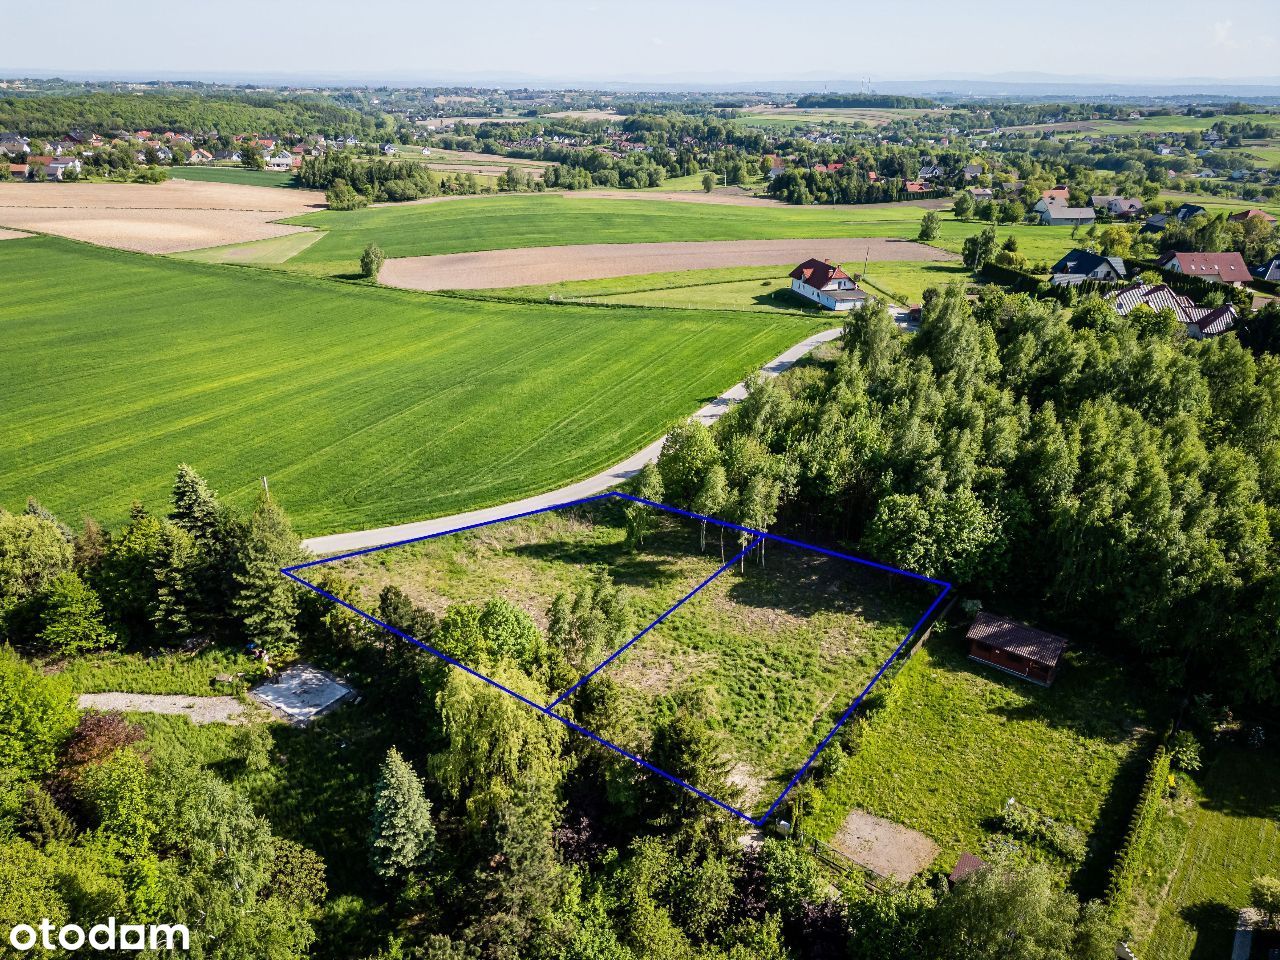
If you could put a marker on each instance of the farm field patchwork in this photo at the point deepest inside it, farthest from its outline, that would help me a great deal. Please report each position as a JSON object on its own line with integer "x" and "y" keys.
{"x": 269, "y": 252}
{"x": 364, "y": 406}
{"x": 772, "y": 650}
{"x": 507, "y": 222}
{"x": 154, "y": 218}
{"x": 743, "y": 288}
{"x": 1219, "y": 832}
{"x": 949, "y": 741}
{"x": 531, "y": 265}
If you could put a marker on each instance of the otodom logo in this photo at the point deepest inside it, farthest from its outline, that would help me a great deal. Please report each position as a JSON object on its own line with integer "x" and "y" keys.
{"x": 101, "y": 936}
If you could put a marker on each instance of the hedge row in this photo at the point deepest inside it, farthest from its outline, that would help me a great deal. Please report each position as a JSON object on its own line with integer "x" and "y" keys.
{"x": 1128, "y": 861}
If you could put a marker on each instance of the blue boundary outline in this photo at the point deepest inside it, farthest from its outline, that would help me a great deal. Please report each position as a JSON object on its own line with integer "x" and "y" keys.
{"x": 758, "y": 537}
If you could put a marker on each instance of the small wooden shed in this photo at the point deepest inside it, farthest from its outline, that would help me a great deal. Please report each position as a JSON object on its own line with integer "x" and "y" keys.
{"x": 1015, "y": 648}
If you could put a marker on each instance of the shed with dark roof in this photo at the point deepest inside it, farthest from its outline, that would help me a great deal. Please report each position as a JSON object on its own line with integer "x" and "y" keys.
{"x": 1015, "y": 648}
{"x": 966, "y": 866}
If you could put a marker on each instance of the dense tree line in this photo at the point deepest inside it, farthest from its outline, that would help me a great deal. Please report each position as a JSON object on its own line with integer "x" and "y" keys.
{"x": 351, "y": 181}
{"x": 226, "y": 113}
{"x": 1124, "y": 478}
{"x": 883, "y": 100}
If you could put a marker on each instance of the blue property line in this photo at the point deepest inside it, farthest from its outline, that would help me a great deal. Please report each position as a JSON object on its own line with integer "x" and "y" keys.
{"x": 545, "y": 711}
{"x": 946, "y": 588}
{"x": 444, "y": 533}
{"x": 758, "y": 536}
{"x": 774, "y": 536}
{"x": 679, "y": 603}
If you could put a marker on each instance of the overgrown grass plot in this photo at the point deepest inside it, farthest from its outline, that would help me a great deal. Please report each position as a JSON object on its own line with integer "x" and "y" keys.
{"x": 770, "y": 654}
{"x": 773, "y": 650}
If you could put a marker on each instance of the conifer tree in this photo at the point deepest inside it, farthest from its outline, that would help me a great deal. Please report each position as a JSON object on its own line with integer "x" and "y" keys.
{"x": 403, "y": 835}
{"x": 266, "y": 602}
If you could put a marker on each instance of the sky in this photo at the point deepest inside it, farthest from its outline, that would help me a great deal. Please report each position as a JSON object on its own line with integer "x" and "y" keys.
{"x": 637, "y": 40}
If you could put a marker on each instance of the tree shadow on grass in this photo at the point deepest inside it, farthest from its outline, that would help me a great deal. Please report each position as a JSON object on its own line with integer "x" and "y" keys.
{"x": 1245, "y": 783}
{"x": 1215, "y": 925}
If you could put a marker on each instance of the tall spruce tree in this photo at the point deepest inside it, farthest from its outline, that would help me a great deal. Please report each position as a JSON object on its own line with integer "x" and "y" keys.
{"x": 402, "y": 836}
{"x": 266, "y": 602}
{"x": 195, "y": 506}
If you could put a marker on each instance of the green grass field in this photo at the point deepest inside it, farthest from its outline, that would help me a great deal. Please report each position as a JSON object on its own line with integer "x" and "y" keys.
{"x": 777, "y": 650}
{"x": 256, "y": 178}
{"x": 363, "y": 405}
{"x": 533, "y": 220}
{"x": 956, "y": 739}
{"x": 1172, "y": 124}
{"x": 1219, "y": 832}
{"x": 270, "y": 252}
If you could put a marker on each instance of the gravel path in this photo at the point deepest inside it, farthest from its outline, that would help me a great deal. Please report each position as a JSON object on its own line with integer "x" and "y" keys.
{"x": 358, "y": 540}
{"x": 196, "y": 709}
{"x": 489, "y": 269}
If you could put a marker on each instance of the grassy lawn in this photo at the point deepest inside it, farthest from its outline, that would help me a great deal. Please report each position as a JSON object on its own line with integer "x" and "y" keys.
{"x": 363, "y": 405}
{"x": 954, "y": 740}
{"x": 257, "y": 178}
{"x": 534, "y": 220}
{"x": 174, "y": 673}
{"x": 1219, "y": 832}
{"x": 778, "y": 651}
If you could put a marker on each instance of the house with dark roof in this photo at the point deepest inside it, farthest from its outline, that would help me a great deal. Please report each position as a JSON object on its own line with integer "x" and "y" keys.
{"x": 1081, "y": 265}
{"x": 1015, "y": 648}
{"x": 1200, "y": 322}
{"x": 825, "y": 284}
{"x": 1227, "y": 268}
{"x": 1269, "y": 270}
{"x": 1123, "y": 207}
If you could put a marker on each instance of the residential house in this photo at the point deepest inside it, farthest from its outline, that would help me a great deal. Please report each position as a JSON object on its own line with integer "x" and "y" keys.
{"x": 973, "y": 170}
{"x": 13, "y": 145}
{"x": 1269, "y": 270}
{"x": 1218, "y": 267}
{"x": 1123, "y": 207}
{"x": 1059, "y": 194}
{"x": 1244, "y": 215}
{"x": 231, "y": 156}
{"x": 931, "y": 172}
{"x": 1199, "y": 322}
{"x": 281, "y": 162}
{"x": 827, "y": 285}
{"x": 200, "y": 155}
{"x": 55, "y": 168}
{"x": 982, "y": 193}
{"x": 1058, "y": 215}
{"x": 388, "y": 149}
{"x": 1015, "y": 648}
{"x": 19, "y": 171}
{"x": 915, "y": 186}
{"x": 1081, "y": 265}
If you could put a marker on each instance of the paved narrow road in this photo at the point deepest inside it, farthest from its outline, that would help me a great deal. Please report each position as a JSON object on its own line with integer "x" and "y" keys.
{"x": 360, "y": 539}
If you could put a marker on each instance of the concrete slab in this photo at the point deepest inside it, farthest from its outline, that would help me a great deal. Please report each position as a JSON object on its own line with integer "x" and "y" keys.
{"x": 302, "y": 693}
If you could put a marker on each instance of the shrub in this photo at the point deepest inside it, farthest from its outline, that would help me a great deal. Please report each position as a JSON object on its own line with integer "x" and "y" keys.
{"x": 342, "y": 196}
{"x": 1031, "y": 825}
{"x": 1125, "y": 870}
{"x": 1184, "y": 751}
{"x": 1264, "y": 894}
{"x": 371, "y": 261}
{"x": 72, "y": 617}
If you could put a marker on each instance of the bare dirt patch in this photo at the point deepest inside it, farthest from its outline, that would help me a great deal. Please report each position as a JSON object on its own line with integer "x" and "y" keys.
{"x": 885, "y": 848}
{"x": 196, "y": 709}
{"x": 12, "y": 234}
{"x": 494, "y": 269}
{"x": 155, "y": 218}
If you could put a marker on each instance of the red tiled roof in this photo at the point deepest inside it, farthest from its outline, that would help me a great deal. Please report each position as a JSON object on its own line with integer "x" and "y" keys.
{"x": 966, "y": 865}
{"x": 1225, "y": 266}
{"x": 1244, "y": 215}
{"x": 1018, "y": 638}
{"x": 818, "y": 273}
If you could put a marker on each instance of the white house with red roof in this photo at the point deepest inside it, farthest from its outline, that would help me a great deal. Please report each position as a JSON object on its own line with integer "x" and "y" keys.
{"x": 1219, "y": 267}
{"x": 827, "y": 285}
